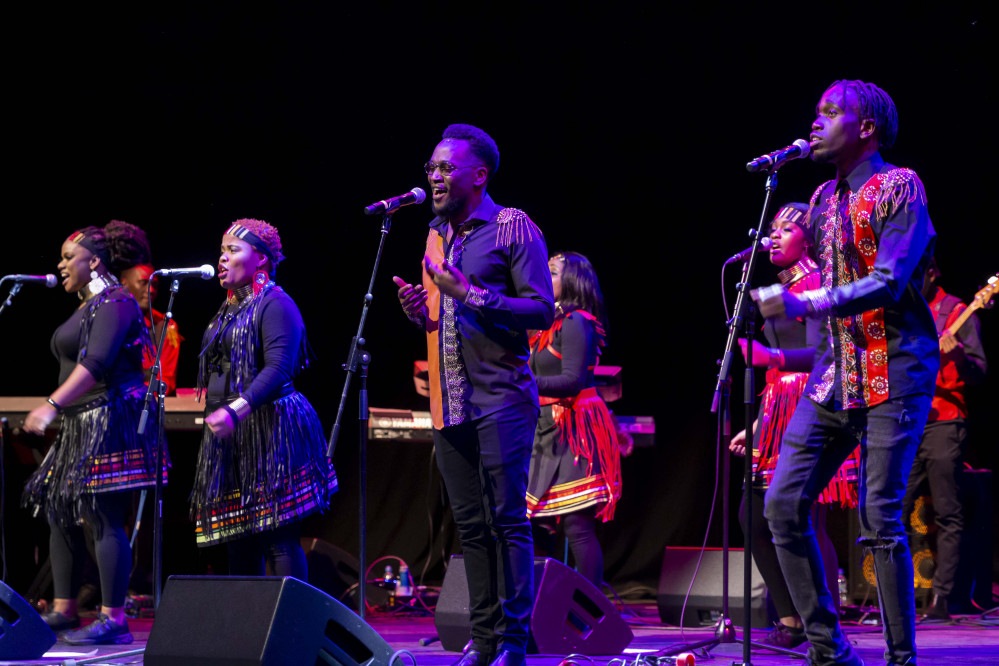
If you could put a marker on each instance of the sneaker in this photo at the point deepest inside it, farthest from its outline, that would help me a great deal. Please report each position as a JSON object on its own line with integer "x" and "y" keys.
{"x": 785, "y": 637}
{"x": 102, "y": 631}
{"x": 851, "y": 658}
{"x": 59, "y": 622}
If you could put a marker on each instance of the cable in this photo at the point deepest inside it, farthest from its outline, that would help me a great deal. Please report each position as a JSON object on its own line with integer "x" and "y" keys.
{"x": 704, "y": 544}
{"x": 398, "y": 654}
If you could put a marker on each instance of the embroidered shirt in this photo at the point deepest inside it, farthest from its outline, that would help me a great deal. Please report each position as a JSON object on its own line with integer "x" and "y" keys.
{"x": 875, "y": 239}
{"x": 478, "y": 351}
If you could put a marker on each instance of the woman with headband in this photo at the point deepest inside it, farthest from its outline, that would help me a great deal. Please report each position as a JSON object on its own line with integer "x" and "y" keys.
{"x": 98, "y": 456}
{"x": 262, "y": 465}
{"x": 788, "y": 360}
{"x": 575, "y": 474}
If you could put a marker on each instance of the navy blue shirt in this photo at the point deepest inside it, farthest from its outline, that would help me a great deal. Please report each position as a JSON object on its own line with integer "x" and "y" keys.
{"x": 482, "y": 344}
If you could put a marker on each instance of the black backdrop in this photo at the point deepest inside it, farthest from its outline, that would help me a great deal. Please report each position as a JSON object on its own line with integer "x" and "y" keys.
{"x": 623, "y": 132}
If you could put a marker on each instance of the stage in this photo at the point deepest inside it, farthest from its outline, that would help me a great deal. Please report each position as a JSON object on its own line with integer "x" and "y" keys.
{"x": 969, "y": 639}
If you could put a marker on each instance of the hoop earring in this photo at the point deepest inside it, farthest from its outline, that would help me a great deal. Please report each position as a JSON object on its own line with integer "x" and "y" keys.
{"x": 260, "y": 280}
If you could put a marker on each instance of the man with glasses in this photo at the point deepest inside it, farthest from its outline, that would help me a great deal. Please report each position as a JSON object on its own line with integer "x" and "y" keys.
{"x": 485, "y": 283}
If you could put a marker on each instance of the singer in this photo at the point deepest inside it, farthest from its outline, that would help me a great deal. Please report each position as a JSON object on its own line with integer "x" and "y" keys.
{"x": 485, "y": 282}
{"x": 138, "y": 278}
{"x": 576, "y": 463}
{"x": 872, "y": 384}
{"x": 262, "y": 465}
{"x": 788, "y": 360}
{"x": 97, "y": 456}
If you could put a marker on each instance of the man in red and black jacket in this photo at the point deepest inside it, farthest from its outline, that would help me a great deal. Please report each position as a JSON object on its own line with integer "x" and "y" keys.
{"x": 941, "y": 451}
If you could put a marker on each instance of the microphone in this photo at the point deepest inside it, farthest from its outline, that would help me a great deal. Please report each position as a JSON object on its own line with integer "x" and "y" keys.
{"x": 764, "y": 244}
{"x": 205, "y": 272}
{"x": 414, "y": 196}
{"x": 49, "y": 280}
{"x": 776, "y": 159}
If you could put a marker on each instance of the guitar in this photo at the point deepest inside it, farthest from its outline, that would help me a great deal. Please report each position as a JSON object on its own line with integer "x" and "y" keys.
{"x": 981, "y": 300}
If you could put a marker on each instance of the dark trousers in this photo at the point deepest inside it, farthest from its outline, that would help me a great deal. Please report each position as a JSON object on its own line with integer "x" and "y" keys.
{"x": 816, "y": 443}
{"x": 484, "y": 466}
{"x": 68, "y": 551}
{"x": 938, "y": 460}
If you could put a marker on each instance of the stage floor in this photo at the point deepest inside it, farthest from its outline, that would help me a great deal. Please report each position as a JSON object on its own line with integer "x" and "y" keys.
{"x": 969, "y": 639}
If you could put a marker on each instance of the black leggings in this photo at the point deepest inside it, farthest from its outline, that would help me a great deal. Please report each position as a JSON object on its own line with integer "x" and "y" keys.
{"x": 68, "y": 551}
{"x": 580, "y": 531}
{"x": 281, "y": 548}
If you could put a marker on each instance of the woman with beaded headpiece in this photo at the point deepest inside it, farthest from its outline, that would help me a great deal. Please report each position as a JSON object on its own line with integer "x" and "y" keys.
{"x": 98, "y": 455}
{"x": 262, "y": 465}
{"x": 575, "y": 474}
{"x": 788, "y": 360}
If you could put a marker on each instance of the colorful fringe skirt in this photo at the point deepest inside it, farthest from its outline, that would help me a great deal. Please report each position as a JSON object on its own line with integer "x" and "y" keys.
{"x": 98, "y": 450}
{"x": 576, "y": 462}
{"x": 271, "y": 472}
{"x": 779, "y": 399}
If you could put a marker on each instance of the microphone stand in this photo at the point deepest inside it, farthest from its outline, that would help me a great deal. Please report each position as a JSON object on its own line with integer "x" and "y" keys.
{"x": 15, "y": 288}
{"x": 741, "y": 321}
{"x": 157, "y": 391}
{"x": 357, "y": 361}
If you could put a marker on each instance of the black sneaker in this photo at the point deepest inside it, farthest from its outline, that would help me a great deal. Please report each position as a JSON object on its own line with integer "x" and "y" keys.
{"x": 102, "y": 631}
{"x": 785, "y": 637}
{"x": 937, "y": 610}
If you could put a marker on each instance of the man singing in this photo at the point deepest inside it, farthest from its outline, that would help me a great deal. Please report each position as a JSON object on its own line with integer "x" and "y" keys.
{"x": 874, "y": 376}
{"x": 485, "y": 283}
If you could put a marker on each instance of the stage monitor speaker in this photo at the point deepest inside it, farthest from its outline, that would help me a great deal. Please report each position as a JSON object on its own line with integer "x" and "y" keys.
{"x": 704, "y": 607}
{"x": 23, "y": 633}
{"x": 258, "y": 621}
{"x": 570, "y": 614}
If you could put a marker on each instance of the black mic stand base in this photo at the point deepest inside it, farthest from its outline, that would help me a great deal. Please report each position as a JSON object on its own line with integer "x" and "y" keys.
{"x": 724, "y": 632}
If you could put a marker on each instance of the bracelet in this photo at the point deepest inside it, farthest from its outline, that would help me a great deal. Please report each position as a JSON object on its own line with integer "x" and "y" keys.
{"x": 475, "y": 296}
{"x": 817, "y": 301}
{"x": 55, "y": 404}
{"x": 775, "y": 358}
{"x": 240, "y": 406}
{"x": 232, "y": 413}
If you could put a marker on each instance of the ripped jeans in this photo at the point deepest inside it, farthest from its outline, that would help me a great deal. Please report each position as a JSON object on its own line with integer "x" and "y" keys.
{"x": 815, "y": 444}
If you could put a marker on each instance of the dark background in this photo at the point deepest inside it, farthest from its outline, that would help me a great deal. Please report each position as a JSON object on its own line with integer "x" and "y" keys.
{"x": 623, "y": 131}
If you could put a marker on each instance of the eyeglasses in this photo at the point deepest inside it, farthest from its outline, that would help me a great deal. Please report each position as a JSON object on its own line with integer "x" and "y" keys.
{"x": 445, "y": 167}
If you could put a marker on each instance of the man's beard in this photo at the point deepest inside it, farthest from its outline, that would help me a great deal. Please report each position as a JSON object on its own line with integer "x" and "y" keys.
{"x": 448, "y": 208}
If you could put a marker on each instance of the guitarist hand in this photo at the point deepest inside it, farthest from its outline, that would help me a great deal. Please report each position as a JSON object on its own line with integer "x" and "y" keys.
{"x": 949, "y": 343}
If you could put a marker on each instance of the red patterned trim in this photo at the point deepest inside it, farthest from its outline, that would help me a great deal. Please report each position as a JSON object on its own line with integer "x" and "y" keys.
{"x": 848, "y": 253}
{"x": 571, "y": 497}
{"x": 232, "y": 517}
{"x": 585, "y": 424}
{"x": 543, "y": 339}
